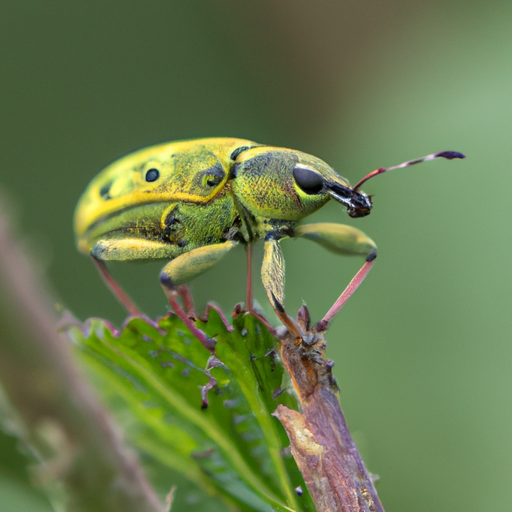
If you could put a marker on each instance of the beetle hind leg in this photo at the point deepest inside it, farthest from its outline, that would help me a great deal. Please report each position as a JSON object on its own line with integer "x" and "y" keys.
{"x": 125, "y": 249}
{"x": 118, "y": 292}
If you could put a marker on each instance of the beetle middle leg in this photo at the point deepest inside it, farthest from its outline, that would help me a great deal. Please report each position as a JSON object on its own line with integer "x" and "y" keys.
{"x": 248, "y": 298}
{"x": 345, "y": 240}
{"x": 184, "y": 268}
{"x": 248, "y": 294}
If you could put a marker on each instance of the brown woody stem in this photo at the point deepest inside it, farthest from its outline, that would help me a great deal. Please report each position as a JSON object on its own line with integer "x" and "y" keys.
{"x": 319, "y": 437}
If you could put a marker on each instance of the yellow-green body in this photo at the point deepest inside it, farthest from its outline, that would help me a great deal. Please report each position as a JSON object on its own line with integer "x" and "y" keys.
{"x": 179, "y": 211}
{"x": 208, "y": 196}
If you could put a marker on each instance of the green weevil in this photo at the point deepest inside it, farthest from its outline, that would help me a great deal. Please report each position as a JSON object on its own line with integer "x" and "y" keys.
{"x": 191, "y": 202}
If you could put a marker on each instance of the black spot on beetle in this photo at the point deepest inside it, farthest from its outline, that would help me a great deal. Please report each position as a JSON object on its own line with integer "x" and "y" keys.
{"x": 152, "y": 175}
{"x": 214, "y": 175}
{"x": 171, "y": 218}
{"x": 237, "y": 152}
{"x": 104, "y": 191}
{"x": 213, "y": 181}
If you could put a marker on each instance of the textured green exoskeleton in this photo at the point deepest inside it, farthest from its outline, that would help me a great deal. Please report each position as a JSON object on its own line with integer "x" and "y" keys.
{"x": 191, "y": 202}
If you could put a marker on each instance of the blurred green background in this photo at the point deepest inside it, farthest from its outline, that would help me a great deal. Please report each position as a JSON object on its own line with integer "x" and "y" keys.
{"x": 423, "y": 350}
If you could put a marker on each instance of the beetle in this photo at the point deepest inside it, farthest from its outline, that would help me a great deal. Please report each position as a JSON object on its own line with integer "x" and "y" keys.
{"x": 191, "y": 202}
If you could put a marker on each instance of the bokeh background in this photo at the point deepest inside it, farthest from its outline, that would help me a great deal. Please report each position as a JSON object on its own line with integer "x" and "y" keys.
{"x": 423, "y": 350}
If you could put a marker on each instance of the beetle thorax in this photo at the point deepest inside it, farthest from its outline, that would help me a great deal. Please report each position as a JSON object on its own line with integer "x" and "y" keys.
{"x": 266, "y": 194}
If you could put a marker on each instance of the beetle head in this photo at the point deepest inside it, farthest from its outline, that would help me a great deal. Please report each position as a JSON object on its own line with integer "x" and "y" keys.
{"x": 319, "y": 178}
{"x": 284, "y": 184}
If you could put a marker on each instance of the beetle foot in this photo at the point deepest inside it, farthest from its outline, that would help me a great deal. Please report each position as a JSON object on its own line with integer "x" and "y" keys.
{"x": 287, "y": 321}
{"x": 215, "y": 308}
{"x": 240, "y": 310}
{"x": 206, "y": 341}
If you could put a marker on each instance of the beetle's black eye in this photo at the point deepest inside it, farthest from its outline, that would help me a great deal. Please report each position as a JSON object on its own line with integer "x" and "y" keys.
{"x": 152, "y": 175}
{"x": 309, "y": 181}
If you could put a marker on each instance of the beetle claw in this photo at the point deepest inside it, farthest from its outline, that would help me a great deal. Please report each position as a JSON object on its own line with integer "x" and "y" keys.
{"x": 287, "y": 321}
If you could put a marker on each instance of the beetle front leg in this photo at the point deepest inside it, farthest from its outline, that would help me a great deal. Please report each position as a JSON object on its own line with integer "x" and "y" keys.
{"x": 184, "y": 268}
{"x": 272, "y": 275}
{"x": 345, "y": 240}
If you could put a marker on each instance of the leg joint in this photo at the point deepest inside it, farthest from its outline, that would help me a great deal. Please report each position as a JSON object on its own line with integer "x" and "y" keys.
{"x": 371, "y": 255}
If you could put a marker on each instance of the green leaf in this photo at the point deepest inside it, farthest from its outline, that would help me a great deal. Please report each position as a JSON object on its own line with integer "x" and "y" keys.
{"x": 207, "y": 416}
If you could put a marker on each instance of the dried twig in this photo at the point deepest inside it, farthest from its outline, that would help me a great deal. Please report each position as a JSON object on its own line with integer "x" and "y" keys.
{"x": 320, "y": 440}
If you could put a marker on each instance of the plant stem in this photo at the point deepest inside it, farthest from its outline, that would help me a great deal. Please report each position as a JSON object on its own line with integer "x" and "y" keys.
{"x": 320, "y": 440}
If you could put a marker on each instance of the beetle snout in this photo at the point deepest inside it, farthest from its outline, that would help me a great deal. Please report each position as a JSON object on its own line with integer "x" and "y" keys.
{"x": 361, "y": 205}
{"x": 358, "y": 203}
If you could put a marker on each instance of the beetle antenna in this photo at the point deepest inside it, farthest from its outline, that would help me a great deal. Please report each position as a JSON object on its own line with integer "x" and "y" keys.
{"x": 450, "y": 155}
